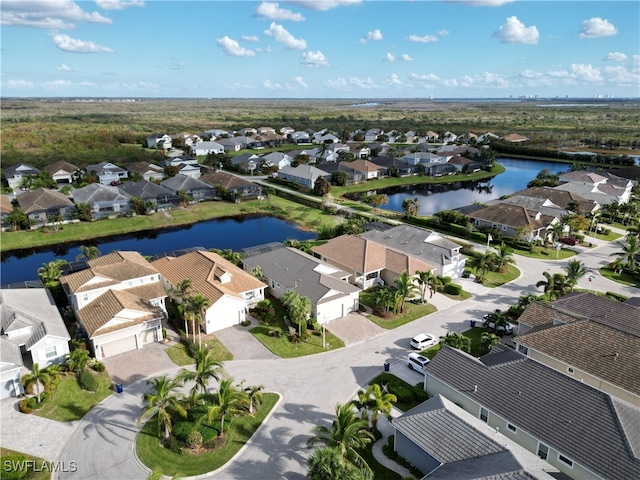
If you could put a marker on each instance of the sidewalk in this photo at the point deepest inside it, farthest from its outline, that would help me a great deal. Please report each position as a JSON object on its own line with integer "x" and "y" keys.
{"x": 386, "y": 428}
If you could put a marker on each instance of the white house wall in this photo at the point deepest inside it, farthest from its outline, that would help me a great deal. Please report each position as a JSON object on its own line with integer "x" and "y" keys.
{"x": 226, "y": 312}
{"x": 134, "y": 331}
{"x": 10, "y": 383}
{"x": 325, "y": 312}
{"x": 38, "y": 351}
{"x": 81, "y": 299}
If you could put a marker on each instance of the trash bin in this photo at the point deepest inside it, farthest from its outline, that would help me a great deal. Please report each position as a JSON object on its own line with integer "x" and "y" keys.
{"x": 386, "y": 366}
{"x": 473, "y": 323}
{"x": 119, "y": 387}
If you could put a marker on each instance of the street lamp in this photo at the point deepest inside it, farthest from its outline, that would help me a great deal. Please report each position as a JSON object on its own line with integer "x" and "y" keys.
{"x": 489, "y": 238}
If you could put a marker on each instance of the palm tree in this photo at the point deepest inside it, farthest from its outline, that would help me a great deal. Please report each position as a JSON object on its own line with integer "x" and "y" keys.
{"x": 405, "y": 288}
{"x": 383, "y": 299}
{"x": 503, "y": 257}
{"x": 426, "y": 280}
{"x": 362, "y": 404}
{"x": 488, "y": 340}
{"x": 327, "y": 464}
{"x": 254, "y": 396}
{"x": 575, "y": 270}
{"x": 380, "y": 402}
{"x": 228, "y": 400}
{"x": 206, "y": 369}
{"x": 196, "y": 305}
{"x": 630, "y": 250}
{"x": 555, "y": 286}
{"x": 179, "y": 292}
{"x": 457, "y": 340}
{"x": 50, "y": 273}
{"x": 347, "y": 435}
{"x": 163, "y": 402}
{"x": 88, "y": 251}
{"x": 78, "y": 359}
{"x": 482, "y": 263}
{"x": 36, "y": 378}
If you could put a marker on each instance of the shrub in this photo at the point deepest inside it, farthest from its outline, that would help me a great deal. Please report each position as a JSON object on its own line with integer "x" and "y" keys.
{"x": 452, "y": 289}
{"x": 194, "y": 440}
{"x": 173, "y": 445}
{"x": 404, "y": 394}
{"x": 14, "y": 467}
{"x": 616, "y": 296}
{"x": 96, "y": 365}
{"x": 32, "y": 402}
{"x": 181, "y": 430}
{"x": 419, "y": 394}
{"x": 275, "y": 332}
{"x": 87, "y": 381}
{"x": 23, "y": 406}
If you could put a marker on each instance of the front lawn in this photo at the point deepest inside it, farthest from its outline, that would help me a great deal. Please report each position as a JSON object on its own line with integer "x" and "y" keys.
{"x": 285, "y": 348}
{"x": 70, "y": 402}
{"x": 546, "y": 253}
{"x": 625, "y": 278}
{"x": 412, "y": 311}
{"x": 495, "y": 279}
{"x": 408, "y": 396}
{"x": 37, "y": 470}
{"x": 180, "y": 355}
{"x": 158, "y": 458}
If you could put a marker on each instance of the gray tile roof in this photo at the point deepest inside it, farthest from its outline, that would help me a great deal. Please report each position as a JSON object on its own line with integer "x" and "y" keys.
{"x": 22, "y": 169}
{"x": 10, "y": 355}
{"x": 96, "y": 192}
{"x": 571, "y": 417}
{"x": 185, "y": 183}
{"x": 42, "y": 199}
{"x": 143, "y": 189}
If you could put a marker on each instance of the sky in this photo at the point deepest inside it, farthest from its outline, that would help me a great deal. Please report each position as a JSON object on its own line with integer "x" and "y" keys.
{"x": 320, "y": 49}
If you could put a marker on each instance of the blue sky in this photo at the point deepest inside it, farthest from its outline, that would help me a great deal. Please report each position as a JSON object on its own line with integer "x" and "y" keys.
{"x": 320, "y": 49}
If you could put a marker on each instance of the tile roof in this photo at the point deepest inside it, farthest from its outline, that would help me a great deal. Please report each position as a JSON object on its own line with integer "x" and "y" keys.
{"x": 143, "y": 189}
{"x": 542, "y": 315}
{"x": 583, "y": 176}
{"x": 185, "y": 183}
{"x": 513, "y": 216}
{"x": 561, "y": 198}
{"x": 227, "y": 180}
{"x": 96, "y": 192}
{"x": 10, "y": 355}
{"x": 577, "y": 420}
{"x": 107, "y": 312}
{"x": 61, "y": 165}
{"x": 43, "y": 199}
{"x": 5, "y": 204}
{"x": 364, "y": 166}
{"x": 205, "y": 269}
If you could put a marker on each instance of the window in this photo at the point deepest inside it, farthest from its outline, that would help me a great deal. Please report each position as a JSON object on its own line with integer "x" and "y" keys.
{"x": 570, "y": 369}
{"x": 543, "y": 451}
{"x": 512, "y": 427}
{"x": 50, "y": 352}
{"x": 523, "y": 350}
{"x": 85, "y": 297}
{"x": 565, "y": 460}
{"x": 484, "y": 414}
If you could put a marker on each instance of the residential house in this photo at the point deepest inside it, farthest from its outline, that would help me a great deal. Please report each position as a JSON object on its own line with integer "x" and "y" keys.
{"x": 486, "y": 137}
{"x": 62, "y": 172}
{"x": 368, "y": 262}
{"x": 468, "y": 137}
{"x": 449, "y": 137}
{"x": 603, "y": 188}
{"x": 192, "y": 171}
{"x": 230, "y": 144}
{"x": 287, "y": 131}
{"x": 552, "y": 197}
{"x": 353, "y": 176}
{"x": 277, "y": 159}
{"x": 360, "y": 151}
{"x": 515, "y": 138}
{"x": 599, "y": 325}
{"x": 464, "y": 164}
{"x": 245, "y": 162}
{"x": 15, "y": 174}
{"x": 228, "y": 288}
{"x": 215, "y": 133}
{"x": 31, "y": 331}
{"x": 187, "y": 139}
{"x": 161, "y": 141}
{"x": 445, "y": 442}
{"x": 394, "y": 166}
{"x": 372, "y": 134}
{"x": 266, "y": 130}
{"x": 234, "y": 184}
{"x": 426, "y": 245}
{"x": 107, "y": 173}
{"x": 368, "y": 169}
{"x": 104, "y": 201}
{"x": 326, "y": 138}
{"x": 161, "y": 197}
{"x": 148, "y": 171}
{"x": 581, "y": 431}
{"x": 180, "y": 161}
{"x": 43, "y": 204}
{"x": 119, "y": 302}
{"x": 326, "y": 286}
{"x": 532, "y": 204}
{"x": 205, "y": 148}
{"x": 432, "y": 136}
{"x": 247, "y": 132}
{"x": 196, "y": 189}
{"x": 6, "y": 208}
{"x": 304, "y": 175}
{"x": 301, "y": 138}
{"x": 515, "y": 221}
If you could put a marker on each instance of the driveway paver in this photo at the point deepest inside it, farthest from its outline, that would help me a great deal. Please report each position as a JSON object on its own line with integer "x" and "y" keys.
{"x": 242, "y": 344}
{"x": 135, "y": 365}
{"x": 354, "y": 328}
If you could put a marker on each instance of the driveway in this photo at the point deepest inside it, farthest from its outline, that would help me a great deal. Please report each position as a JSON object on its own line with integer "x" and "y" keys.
{"x": 243, "y": 345}
{"x": 354, "y": 328}
{"x": 135, "y": 365}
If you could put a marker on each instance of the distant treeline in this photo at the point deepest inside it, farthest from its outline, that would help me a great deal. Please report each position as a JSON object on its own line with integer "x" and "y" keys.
{"x": 533, "y": 151}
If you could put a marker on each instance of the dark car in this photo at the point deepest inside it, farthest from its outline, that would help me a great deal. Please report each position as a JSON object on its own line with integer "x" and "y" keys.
{"x": 569, "y": 240}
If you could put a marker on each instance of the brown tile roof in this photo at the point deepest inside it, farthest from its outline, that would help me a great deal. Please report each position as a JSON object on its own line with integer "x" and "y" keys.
{"x": 226, "y": 180}
{"x": 512, "y": 215}
{"x": 561, "y": 198}
{"x": 102, "y": 315}
{"x": 5, "y": 204}
{"x": 542, "y": 315}
{"x": 602, "y": 351}
{"x": 364, "y": 166}
{"x": 205, "y": 269}
{"x": 399, "y": 262}
{"x": 61, "y": 165}
{"x": 43, "y": 199}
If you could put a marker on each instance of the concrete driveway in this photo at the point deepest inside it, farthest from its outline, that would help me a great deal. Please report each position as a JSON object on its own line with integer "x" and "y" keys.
{"x": 354, "y": 328}
{"x": 135, "y": 365}
{"x": 243, "y": 345}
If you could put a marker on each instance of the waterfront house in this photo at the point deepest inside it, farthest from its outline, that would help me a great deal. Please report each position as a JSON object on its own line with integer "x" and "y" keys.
{"x": 62, "y": 172}
{"x": 353, "y": 176}
{"x": 604, "y": 188}
{"x": 119, "y": 302}
{"x": 326, "y": 286}
{"x": 42, "y": 204}
{"x": 105, "y": 201}
{"x": 304, "y": 175}
{"x": 368, "y": 169}
{"x": 389, "y": 165}
{"x": 148, "y": 171}
{"x": 233, "y": 184}
{"x": 31, "y": 331}
{"x": 15, "y": 174}
{"x": 463, "y": 164}
{"x": 107, "y": 173}
{"x": 552, "y": 197}
{"x": 196, "y": 189}
{"x": 229, "y": 289}
{"x": 515, "y": 221}
{"x": 161, "y": 197}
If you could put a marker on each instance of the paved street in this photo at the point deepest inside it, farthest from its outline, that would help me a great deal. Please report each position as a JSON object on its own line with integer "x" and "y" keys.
{"x": 103, "y": 442}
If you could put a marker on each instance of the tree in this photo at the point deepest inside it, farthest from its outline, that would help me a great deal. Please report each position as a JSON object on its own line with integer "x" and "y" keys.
{"x": 19, "y": 219}
{"x": 379, "y": 402}
{"x": 50, "y": 273}
{"x": 257, "y": 272}
{"x": 426, "y": 280}
{"x": 503, "y": 257}
{"x": 298, "y": 307}
{"x": 83, "y": 212}
{"x": 377, "y": 200}
{"x": 197, "y": 305}
{"x": 410, "y": 207}
{"x": 405, "y": 288}
{"x": 339, "y": 178}
{"x": 482, "y": 263}
{"x": 499, "y": 320}
{"x": 630, "y": 250}
{"x": 179, "y": 292}
{"x": 321, "y": 186}
{"x": 206, "y": 369}
{"x": 227, "y": 401}
{"x": 456, "y": 340}
{"x": 37, "y": 378}
{"x": 163, "y": 401}
{"x": 555, "y": 285}
{"x": 347, "y": 435}
{"x": 254, "y": 397}
{"x": 88, "y": 252}
{"x": 575, "y": 270}
{"x": 488, "y": 340}
{"x": 383, "y": 299}
{"x": 77, "y": 359}
{"x": 327, "y": 464}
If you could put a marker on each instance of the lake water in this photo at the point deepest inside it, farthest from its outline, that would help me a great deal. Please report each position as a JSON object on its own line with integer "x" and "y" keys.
{"x": 233, "y": 233}
{"x": 434, "y": 197}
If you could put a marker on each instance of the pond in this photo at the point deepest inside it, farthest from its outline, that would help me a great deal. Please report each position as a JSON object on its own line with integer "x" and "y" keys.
{"x": 229, "y": 233}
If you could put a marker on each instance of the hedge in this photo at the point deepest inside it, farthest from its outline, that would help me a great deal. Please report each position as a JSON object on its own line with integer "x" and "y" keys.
{"x": 87, "y": 381}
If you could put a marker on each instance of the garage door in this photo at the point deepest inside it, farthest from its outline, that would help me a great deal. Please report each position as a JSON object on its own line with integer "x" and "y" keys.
{"x": 148, "y": 336}
{"x": 119, "y": 346}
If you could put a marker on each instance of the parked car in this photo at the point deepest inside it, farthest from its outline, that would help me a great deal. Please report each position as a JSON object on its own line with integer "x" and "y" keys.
{"x": 569, "y": 240}
{"x": 415, "y": 361}
{"x": 488, "y": 323}
{"x": 422, "y": 341}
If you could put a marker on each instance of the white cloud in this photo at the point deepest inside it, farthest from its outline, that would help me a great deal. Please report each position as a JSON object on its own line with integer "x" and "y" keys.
{"x": 389, "y": 58}
{"x": 342, "y": 83}
{"x": 232, "y": 48}
{"x": 443, "y": 32}
{"x": 298, "y": 80}
{"x": 323, "y": 5}
{"x": 395, "y": 81}
{"x": 18, "y": 84}
{"x": 615, "y": 57}
{"x": 429, "y": 77}
{"x": 514, "y": 31}
{"x": 586, "y": 72}
{"x": 422, "y": 39}
{"x": 406, "y": 57}
{"x": 249, "y": 38}
{"x": 64, "y": 68}
{"x": 280, "y": 34}
{"x": 484, "y": 80}
{"x": 269, "y": 85}
{"x": 597, "y": 27}
{"x": 374, "y": 35}
{"x": 68, "y": 44}
{"x": 118, "y": 4}
{"x": 273, "y": 11}
{"x": 47, "y": 14}
{"x": 621, "y": 75}
{"x": 175, "y": 65}
{"x": 314, "y": 60}
{"x": 482, "y": 3}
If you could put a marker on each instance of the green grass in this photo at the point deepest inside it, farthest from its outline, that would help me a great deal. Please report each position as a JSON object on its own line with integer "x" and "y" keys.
{"x": 180, "y": 356}
{"x": 41, "y": 474}
{"x": 495, "y": 279}
{"x": 394, "y": 385}
{"x": 624, "y": 278}
{"x": 157, "y": 458}
{"x": 546, "y": 253}
{"x": 284, "y": 348}
{"x": 380, "y": 472}
{"x": 412, "y": 312}
{"x": 71, "y": 402}
{"x": 473, "y": 334}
